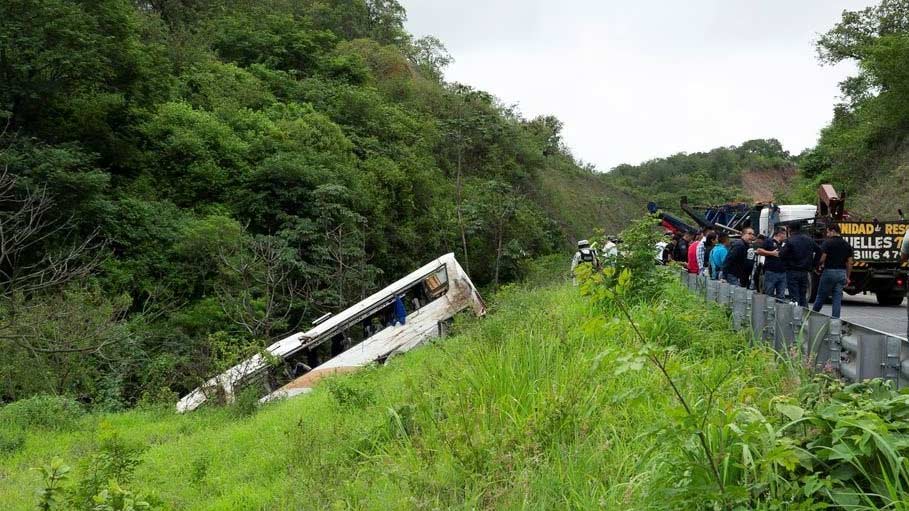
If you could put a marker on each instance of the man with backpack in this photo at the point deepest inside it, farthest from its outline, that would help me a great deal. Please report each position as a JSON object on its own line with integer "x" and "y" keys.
{"x": 585, "y": 255}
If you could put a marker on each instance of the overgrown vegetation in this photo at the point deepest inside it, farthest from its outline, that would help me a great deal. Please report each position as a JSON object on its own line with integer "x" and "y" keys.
{"x": 549, "y": 402}
{"x": 864, "y": 148}
{"x": 190, "y": 180}
{"x": 712, "y": 177}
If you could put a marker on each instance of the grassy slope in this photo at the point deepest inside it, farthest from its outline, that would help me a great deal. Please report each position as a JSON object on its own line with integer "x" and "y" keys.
{"x": 884, "y": 187}
{"x": 582, "y": 202}
{"x": 520, "y": 410}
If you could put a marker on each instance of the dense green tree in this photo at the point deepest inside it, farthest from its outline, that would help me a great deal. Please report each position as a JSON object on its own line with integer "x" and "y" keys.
{"x": 247, "y": 166}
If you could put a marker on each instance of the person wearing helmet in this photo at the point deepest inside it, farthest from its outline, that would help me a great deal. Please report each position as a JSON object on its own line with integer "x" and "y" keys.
{"x": 585, "y": 255}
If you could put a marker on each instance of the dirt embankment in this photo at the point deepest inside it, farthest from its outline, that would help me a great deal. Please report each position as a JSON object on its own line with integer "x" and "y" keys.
{"x": 766, "y": 185}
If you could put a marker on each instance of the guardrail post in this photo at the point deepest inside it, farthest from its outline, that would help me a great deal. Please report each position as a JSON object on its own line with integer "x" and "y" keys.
{"x": 739, "y": 304}
{"x": 796, "y": 321}
{"x": 782, "y": 333}
{"x": 700, "y": 283}
{"x": 758, "y": 319}
{"x": 713, "y": 287}
{"x": 892, "y": 362}
{"x": 816, "y": 342}
{"x": 723, "y": 294}
{"x": 834, "y": 335}
{"x": 769, "y": 333}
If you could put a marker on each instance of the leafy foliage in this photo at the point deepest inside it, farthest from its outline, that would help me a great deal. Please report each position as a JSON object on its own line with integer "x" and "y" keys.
{"x": 713, "y": 177}
{"x": 825, "y": 445}
{"x": 863, "y": 148}
{"x": 244, "y": 167}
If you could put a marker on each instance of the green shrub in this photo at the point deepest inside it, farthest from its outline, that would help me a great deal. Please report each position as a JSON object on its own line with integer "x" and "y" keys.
{"x": 351, "y": 392}
{"x": 43, "y": 412}
{"x": 246, "y": 402}
{"x": 11, "y": 441}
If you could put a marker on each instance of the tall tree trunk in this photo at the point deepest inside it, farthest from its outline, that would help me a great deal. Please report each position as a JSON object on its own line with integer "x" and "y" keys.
{"x": 501, "y": 236}
{"x": 460, "y": 215}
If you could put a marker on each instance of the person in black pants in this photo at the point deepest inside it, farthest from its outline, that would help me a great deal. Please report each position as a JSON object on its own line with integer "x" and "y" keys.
{"x": 774, "y": 268}
{"x": 800, "y": 255}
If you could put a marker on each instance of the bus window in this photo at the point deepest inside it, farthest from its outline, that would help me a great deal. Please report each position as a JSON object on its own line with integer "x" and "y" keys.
{"x": 436, "y": 284}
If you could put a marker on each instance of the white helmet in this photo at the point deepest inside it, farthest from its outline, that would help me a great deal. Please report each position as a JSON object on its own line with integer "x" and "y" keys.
{"x": 583, "y": 244}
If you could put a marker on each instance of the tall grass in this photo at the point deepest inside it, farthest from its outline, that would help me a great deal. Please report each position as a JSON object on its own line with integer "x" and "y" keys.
{"x": 520, "y": 410}
{"x": 525, "y": 409}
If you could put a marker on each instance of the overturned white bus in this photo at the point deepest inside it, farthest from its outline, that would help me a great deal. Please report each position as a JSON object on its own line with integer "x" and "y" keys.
{"x": 393, "y": 320}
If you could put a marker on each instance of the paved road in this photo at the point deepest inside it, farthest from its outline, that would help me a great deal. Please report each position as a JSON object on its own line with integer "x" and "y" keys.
{"x": 864, "y": 310}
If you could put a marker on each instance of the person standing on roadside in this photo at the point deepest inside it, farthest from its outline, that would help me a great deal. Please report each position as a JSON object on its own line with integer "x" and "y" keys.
{"x": 799, "y": 254}
{"x": 585, "y": 255}
{"x": 836, "y": 270}
{"x": 709, "y": 243}
{"x": 904, "y": 257}
{"x": 774, "y": 268}
{"x": 680, "y": 253}
{"x": 693, "y": 256}
{"x": 737, "y": 267}
{"x": 718, "y": 257}
{"x": 750, "y": 281}
{"x": 703, "y": 250}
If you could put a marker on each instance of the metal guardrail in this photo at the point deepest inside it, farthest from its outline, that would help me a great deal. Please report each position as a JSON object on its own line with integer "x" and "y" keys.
{"x": 855, "y": 352}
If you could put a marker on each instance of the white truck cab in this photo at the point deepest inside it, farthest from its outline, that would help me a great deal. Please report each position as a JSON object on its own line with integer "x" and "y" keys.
{"x": 786, "y": 213}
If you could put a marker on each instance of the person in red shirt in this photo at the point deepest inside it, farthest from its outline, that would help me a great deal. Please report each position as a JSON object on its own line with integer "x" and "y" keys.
{"x": 693, "y": 256}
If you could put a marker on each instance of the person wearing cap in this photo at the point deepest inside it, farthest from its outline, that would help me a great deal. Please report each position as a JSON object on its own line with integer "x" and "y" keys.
{"x": 584, "y": 255}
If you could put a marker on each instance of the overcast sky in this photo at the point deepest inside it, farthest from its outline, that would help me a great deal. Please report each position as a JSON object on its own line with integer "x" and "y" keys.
{"x": 635, "y": 80}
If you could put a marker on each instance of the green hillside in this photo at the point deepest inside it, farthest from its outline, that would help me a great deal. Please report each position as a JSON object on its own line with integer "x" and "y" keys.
{"x": 190, "y": 180}
{"x": 864, "y": 149}
{"x": 548, "y": 403}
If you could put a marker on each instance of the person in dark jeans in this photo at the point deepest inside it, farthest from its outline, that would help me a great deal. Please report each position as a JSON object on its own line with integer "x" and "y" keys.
{"x": 836, "y": 265}
{"x": 737, "y": 266}
{"x": 774, "y": 268}
{"x": 800, "y": 255}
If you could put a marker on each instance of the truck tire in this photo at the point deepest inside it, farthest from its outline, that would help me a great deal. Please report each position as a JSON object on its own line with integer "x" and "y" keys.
{"x": 890, "y": 299}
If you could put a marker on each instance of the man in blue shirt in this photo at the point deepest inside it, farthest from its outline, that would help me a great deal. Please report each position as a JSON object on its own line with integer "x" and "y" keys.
{"x": 718, "y": 257}
{"x": 774, "y": 268}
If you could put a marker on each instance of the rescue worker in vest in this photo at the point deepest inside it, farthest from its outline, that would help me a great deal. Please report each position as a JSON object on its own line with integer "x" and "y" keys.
{"x": 904, "y": 258}
{"x": 584, "y": 255}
